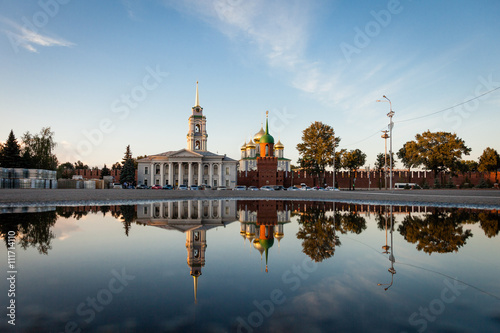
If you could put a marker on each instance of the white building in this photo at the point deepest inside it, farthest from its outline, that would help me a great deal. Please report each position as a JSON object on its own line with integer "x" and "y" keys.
{"x": 194, "y": 165}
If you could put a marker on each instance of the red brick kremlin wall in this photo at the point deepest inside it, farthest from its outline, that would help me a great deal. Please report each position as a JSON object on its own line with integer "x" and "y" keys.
{"x": 96, "y": 174}
{"x": 343, "y": 178}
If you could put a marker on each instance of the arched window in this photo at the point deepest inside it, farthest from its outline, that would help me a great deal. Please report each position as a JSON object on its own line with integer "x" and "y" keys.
{"x": 197, "y": 145}
{"x": 197, "y": 128}
{"x": 267, "y": 150}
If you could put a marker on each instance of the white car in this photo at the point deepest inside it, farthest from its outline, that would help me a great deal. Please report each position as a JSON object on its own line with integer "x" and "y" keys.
{"x": 293, "y": 188}
{"x": 253, "y": 188}
{"x": 182, "y": 187}
{"x": 221, "y": 188}
{"x": 240, "y": 188}
{"x": 267, "y": 188}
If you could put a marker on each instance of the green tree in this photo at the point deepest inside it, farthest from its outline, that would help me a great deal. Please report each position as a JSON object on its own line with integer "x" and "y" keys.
{"x": 127, "y": 156}
{"x": 38, "y": 150}
{"x": 352, "y": 161}
{"x": 128, "y": 172}
{"x": 116, "y": 166}
{"x": 440, "y": 151}
{"x": 10, "y": 153}
{"x": 489, "y": 161}
{"x": 105, "y": 171}
{"x": 380, "y": 161}
{"x": 317, "y": 147}
{"x": 65, "y": 170}
{"x": 80, "y": 166}
{"x": 352, "y": 222}
{"x": 409, "y": 157}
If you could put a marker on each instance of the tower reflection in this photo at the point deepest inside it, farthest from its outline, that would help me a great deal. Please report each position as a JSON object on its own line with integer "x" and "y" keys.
{"x": 263, "y": 221}
{"x": 194, "y": 218}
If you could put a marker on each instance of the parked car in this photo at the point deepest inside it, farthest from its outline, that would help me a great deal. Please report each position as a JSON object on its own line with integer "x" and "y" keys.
{"x": 267, "y": 188}
{"x": 142, "y": 187}
{"x": 293, "y": 188}
{"x": 194, "y": 188}
{"x": 168, "y": 187}
{"x": 279, "y": 188}
{"x": 331, "y": 188}
{"x": 156, "y": 187}
{"x": 253, "y": 188}
{"x": 182, "y": 187}
{"x": 117, "y": 185}
{"x": 240, "y": 188}
{"x": 221, "y": 188}
{"x": 207, "y": 187}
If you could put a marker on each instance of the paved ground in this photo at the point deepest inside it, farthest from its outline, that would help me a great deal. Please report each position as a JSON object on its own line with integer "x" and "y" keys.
{"x": 468, "y": 198}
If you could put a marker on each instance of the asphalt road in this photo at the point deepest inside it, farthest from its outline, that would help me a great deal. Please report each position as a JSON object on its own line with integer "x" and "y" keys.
{"x": 71, "y": 197}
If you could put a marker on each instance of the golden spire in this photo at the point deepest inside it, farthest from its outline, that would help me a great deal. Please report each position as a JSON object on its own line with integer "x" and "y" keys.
{"x": 197, "y": 103}
{"x": 195, "y": 281}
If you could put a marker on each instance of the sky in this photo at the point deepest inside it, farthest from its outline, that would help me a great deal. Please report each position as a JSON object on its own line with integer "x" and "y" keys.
{"x": 107, "y": 74}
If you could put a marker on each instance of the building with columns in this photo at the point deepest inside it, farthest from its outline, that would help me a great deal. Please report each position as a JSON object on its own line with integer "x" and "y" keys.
{"x": 194, "y": 165}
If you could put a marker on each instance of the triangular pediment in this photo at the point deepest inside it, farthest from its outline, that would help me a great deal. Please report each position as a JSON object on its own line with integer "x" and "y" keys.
{"x": 185, "y": 153}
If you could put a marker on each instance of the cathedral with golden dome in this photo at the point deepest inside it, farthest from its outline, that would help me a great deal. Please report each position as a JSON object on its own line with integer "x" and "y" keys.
{"x": 262, "y": 145}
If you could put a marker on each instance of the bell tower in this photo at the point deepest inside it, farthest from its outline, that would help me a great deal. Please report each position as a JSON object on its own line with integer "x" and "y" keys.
{"x": 196, "y": 244}
{"x": 197, "y": 133}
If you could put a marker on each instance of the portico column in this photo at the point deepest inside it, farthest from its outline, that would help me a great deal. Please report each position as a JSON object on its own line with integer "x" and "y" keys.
{"x": 152, "y": 174}
{"x": 220, "y": 175}
{"x": 170, "y": 207}
{"x": 200, "y": 207}
{"x": 179, "y": 209}
{"x": 210, "y": 174}
{"x": 190, "y": 173}
{"x": 219, "y": 210}
{"x": 181, "y": 176}
{"x": 190, "y": 210}
{"x": 162, "y": 174}
{"x": 199, "y": 173}
{"x": 170, "y": 174}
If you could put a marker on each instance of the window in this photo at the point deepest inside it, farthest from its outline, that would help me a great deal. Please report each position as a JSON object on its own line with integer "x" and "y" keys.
{"x": 146, "y": 170}
{"x": 146, "y": 182}
{"x": 197, "y": 128}
{"x": 197, "y": 145}
{"x": 145, "y": 210}
{"x": 227, "y": 171}
{"x": 157, "y": 169}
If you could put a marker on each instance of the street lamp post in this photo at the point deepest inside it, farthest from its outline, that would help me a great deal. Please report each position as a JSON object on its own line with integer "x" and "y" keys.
{"x": 334, "y": 165}
{"x": 391, "y": 125}
{"x": 385, "y": 137}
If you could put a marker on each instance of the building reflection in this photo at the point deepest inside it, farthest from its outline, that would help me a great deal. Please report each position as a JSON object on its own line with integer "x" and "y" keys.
{"x": 193, "y": 218}
{"x": 261, "y": 222}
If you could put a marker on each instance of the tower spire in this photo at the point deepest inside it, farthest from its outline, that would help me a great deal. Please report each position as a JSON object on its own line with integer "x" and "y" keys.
{"x": 197, "y": 102}
{"x": 267, "y": 126}
{"x": 195, "y": 281}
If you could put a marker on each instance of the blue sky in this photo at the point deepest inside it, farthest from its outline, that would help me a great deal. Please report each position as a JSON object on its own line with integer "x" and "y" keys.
{"x": 105, "y": 74}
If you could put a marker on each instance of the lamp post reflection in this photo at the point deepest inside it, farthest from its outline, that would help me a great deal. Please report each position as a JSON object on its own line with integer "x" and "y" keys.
{"x": 386, "y": 247}
{"x": 392, "y": 259}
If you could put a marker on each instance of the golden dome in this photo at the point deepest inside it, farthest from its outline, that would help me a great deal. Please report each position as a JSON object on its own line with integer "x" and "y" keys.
{"x": 258, "y": 135}
{"x": 244, "y": 146}
{"x": 279, "y": 145}
{"x": 250, "y": 144}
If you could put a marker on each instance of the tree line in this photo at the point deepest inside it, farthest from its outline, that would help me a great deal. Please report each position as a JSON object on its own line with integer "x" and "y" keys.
{"x": 34, "y": 152}
{"x": 439, "y": 152}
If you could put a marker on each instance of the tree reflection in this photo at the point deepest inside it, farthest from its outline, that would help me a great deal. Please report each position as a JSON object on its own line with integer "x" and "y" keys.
{"x": 490, "y": 222}
{"x": 352, "y": 222}
{"x": 32, "y": 229}
{"x": 436, "y": 232}
{"x": 128, "y": 215}
{"x": 318, "y": 234}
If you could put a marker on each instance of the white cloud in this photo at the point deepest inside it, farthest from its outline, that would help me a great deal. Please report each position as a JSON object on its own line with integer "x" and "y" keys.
{"x": 29, "y": 39}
